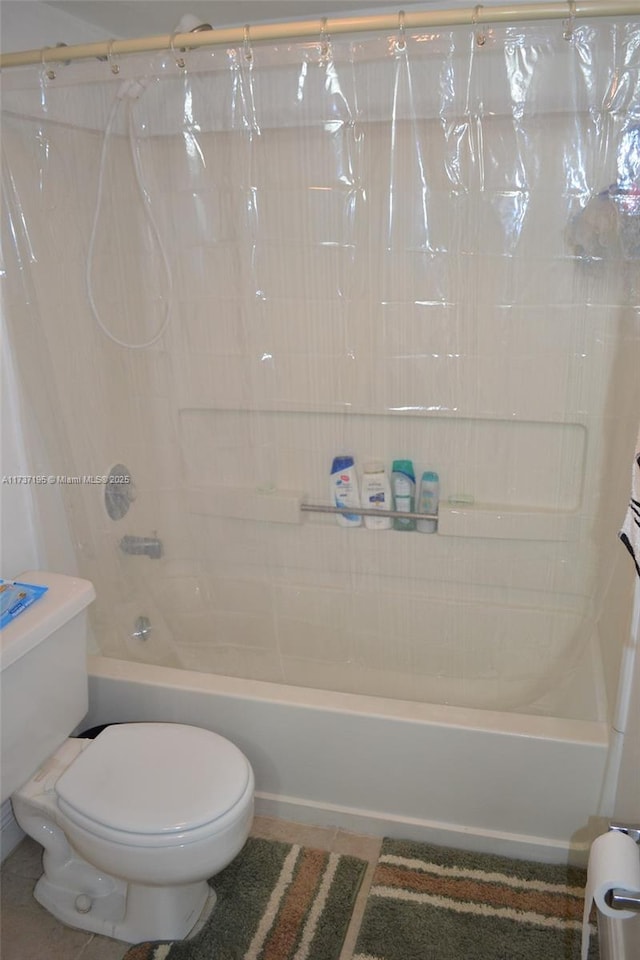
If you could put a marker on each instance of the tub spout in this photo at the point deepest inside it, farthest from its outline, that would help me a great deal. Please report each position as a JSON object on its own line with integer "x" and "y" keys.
{"x": 142, "y": 546}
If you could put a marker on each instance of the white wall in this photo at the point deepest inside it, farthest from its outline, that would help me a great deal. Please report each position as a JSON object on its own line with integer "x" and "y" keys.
{"x": 21, "y": 547}
{"x": 30, "y": 25}
{"x": 25, "y": 516}
{"x": 33, "y": 523}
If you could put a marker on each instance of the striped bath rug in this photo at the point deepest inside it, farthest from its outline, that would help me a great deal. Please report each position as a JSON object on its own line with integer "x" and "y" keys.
{"x": 275, "y": 901}
{"x": 436, "y": 903}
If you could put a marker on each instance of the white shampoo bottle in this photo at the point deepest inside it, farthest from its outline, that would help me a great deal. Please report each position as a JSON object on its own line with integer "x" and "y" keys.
{"x": 376, "y": 495}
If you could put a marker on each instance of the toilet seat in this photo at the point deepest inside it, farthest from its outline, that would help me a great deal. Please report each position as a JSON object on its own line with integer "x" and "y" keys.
{"x": 150, "y": 784}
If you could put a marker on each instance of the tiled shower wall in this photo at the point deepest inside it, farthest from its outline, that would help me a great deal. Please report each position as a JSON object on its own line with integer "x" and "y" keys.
{"x": 309, "y": 317}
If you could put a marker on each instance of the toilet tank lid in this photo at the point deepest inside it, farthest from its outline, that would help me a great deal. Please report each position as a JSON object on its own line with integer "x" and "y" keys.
{"x": 65, "y": 597}
{"x": 155, "y": 778}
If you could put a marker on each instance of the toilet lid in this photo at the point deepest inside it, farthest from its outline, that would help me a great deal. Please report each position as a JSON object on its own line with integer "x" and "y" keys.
{"x": 155, "y": 778}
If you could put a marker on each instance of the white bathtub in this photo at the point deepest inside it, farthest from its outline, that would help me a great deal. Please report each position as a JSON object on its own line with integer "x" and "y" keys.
{"x": 496, "y": 782}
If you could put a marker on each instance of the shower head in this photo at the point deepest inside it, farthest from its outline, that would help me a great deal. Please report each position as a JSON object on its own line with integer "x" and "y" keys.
{"x": 189, "y": 23}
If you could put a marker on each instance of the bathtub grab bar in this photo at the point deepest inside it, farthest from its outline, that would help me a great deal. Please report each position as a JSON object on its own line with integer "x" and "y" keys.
{"x": 366, "y": 512}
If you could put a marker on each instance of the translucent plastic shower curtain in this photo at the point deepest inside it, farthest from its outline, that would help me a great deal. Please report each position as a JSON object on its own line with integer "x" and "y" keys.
{"x": 219, "y": 276}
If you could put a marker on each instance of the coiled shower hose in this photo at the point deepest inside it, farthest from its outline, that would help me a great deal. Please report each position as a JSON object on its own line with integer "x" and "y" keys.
{"x": 130, "y": 90}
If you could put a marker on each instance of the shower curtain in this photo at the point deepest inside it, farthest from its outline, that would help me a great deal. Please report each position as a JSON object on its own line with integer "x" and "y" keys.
{"x": 223, "y": 269}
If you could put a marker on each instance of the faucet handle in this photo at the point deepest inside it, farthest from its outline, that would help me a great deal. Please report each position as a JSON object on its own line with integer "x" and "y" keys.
{"x": 119, "y": 492}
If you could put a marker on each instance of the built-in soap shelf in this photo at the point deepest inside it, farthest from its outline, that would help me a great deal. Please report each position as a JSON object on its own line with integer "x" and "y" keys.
{"x": 495, "y": 522}
{"x": 247, "y": 503}
{"x": 488, "y": 521}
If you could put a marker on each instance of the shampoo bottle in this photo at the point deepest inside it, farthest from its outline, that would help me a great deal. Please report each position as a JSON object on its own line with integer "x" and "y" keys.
{"x": 344, "y": 490}
{"x": 403, "y": 482}
{"x": 376, "y": 495}
{"x": 428, "y": 500}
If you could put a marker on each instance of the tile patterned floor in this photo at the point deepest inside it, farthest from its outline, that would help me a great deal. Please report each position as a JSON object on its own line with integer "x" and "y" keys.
{"x": 28, "y": 932}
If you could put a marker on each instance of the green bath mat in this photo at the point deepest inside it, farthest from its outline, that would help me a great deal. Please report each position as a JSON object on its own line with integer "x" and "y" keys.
{"x": 276, "y": 901}
{"x": 435, "y": 903}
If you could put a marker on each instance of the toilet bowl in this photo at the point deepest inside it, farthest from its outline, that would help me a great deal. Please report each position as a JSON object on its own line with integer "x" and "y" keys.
{"x": 134, "y": 822}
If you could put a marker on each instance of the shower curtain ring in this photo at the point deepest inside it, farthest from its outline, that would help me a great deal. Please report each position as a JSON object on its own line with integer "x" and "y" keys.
{"x": 114, "y": 66}
{"x": 180, "y": 61}
{"x": 401, "y": 40}
{"x": 246, "y": 44}
{"x": 65, "y": 63}
{"x": 569, "y": 25}
{"x": 50, "y": 72}
{"x": 481, "y": 38}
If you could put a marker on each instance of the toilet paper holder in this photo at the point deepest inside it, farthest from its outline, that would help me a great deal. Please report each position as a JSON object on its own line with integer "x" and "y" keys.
{"x": 625, "y": 899}
{"x": 631, "y": 829}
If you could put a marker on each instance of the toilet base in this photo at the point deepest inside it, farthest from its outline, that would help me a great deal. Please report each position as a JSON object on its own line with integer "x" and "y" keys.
{"x": 132, "y": 912}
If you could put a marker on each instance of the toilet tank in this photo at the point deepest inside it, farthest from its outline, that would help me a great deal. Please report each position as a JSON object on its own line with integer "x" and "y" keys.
{"x": 43, "y": 675}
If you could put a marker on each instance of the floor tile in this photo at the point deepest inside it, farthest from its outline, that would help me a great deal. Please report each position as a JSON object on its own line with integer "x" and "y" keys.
{"x": 30, "y": 933}
{"x": 25, "y": 861}
{"x": 357, "y": 845}
{"x": 305, "y": 834}
{"x": 103, "y": 948}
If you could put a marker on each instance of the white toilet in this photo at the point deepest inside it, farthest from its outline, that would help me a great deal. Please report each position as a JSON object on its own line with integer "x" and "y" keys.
{"x": 132, "y": 822}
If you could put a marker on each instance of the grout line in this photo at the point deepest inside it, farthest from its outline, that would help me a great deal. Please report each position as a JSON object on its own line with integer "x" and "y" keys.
{"x": 358, "y": 913}
{"x": 85, "y": 946}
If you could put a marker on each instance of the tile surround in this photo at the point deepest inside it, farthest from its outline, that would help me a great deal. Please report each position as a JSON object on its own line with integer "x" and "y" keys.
{"x": 310, "y": 315}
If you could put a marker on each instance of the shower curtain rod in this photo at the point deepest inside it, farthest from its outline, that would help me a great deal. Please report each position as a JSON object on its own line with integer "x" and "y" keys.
{"x": 410, "y": 20}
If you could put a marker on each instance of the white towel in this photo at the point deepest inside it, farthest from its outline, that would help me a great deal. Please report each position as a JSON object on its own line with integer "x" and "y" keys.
{"x": 630, "y": 533}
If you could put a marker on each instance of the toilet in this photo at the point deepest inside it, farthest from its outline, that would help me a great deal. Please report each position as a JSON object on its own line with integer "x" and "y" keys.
{"x": 134, "y": 821}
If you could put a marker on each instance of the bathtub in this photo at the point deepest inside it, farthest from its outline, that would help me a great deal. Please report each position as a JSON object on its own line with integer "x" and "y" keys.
{"x": 517, "y": 785}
